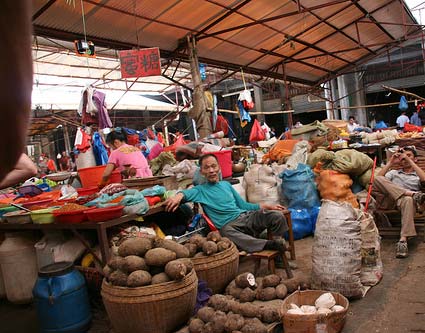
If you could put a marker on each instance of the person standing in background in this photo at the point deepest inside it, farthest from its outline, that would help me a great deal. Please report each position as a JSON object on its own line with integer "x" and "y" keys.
{"x": 64, "y": 162}
{"x": 51, "y": 165}
{"x": 415, "y": 120}
{"x": 402, "y": 120}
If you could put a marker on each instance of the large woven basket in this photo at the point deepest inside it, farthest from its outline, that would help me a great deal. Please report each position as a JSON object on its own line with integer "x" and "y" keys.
{"x": 159, "y": 308}
{"x": 218, "y": 269}
{"x": 330, "y": 323}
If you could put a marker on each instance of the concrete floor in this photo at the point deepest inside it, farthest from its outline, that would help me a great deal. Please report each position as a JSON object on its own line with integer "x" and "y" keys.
{"x": 395, "y": 305}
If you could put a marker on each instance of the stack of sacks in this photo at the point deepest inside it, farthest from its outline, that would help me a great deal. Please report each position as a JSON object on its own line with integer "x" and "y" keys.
{"x": 261, "y": 185}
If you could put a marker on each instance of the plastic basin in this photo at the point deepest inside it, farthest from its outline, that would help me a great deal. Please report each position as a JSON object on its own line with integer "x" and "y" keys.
{"x": 42, "y": 202}
{"x": 17, "y": 217}
{"x": 74, "y": 216}
{"x": 91, "y": 177}
{"x": 104, "y": 214}
{"x": 82, "y": 192}
{"x": 43, "y": 216}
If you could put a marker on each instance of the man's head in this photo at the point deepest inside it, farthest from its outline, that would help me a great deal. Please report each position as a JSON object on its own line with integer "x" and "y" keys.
{"x": 351, "y": 120}
{"x": 410, "y": 152}
{"x": 210, "y": 168}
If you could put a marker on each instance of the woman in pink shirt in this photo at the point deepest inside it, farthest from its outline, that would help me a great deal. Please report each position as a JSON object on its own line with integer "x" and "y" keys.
{"x": 124, "y": 157}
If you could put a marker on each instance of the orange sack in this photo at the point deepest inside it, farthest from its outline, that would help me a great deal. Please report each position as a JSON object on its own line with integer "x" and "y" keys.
{"x": 336, "y": 186}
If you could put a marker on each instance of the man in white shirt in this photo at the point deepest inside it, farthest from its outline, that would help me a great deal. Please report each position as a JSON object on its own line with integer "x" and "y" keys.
{"x": 352, "y": 125}
{"x": 402, "y": 120}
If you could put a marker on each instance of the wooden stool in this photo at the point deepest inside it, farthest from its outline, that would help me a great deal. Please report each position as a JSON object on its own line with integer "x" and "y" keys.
{"x": 270, "y": 255}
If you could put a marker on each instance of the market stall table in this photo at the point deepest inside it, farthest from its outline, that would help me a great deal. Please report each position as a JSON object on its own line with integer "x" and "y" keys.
{"x": 100, "y": 228}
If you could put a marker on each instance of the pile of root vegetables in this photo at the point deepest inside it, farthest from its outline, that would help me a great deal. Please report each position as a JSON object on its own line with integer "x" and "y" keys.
{"x": 143, "y": 261}
{"x": 240, "y": 310}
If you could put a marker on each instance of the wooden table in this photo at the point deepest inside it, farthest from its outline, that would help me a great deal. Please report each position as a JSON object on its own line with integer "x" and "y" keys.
{"x": 100, "y": 227}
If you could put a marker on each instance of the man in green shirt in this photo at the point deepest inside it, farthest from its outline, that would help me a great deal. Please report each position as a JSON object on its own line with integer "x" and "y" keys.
{"x": 240, "y": 221}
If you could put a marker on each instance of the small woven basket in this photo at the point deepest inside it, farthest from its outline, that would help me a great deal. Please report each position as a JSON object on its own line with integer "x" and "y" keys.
{"x": 330, "y": 323}
{"x": 218, "y": 269}
{"x": 159, "y": 308}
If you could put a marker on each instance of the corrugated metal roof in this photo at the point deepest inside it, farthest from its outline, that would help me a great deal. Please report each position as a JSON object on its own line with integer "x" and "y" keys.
{"x": 315, "y": 39}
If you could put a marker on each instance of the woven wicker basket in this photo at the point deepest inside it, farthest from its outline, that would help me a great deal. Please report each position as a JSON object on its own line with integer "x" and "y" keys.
{"x": 159, "y": 308}
{"x": 330, "y": 323}
{"x": 218, "y": 269}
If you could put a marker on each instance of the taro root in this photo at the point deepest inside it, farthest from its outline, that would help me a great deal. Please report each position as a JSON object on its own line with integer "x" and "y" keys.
{"x": 230, "y": 285}
{"x": 259, "y": 282}
{"x": 235, "y": 291}
{"x": 139, "y": 279}
{"x": 266, "y": 294}
{"x": 160, "y": 278}
{"x": 269, "y": 314}
{"x": 253, "y": 325}
{"x": 214, "y": 236}
{"x": 222, "y": 245}
{"x": 176, "y": 270}
{"x": 234, "y": 322}
{"x": 295, "y": 283}
{"x": 192, "y": 249}
{"x": 159, "y": 256}
{"x": 209, "y": 248}
{"x": 219, "y": 302}
{"x": 116, "y": 263}
{"x": 199, "y": 255}
{"x": 281, "y": 291}
{"x": 245, "y": 280}
{"x": 271, "y": 280}
{"x": 187, "y": 262}
{"x": 118, "y": 278}
{"x": 180, "y": 250}
{"x": 248, "y": 310}
{"x": 218, "y": 321}
{"x": 206, "y": 313}
{"x": 234, "y": 306}
{"x": 137, "y": 246}
{"x": 198, "y": 240}
{"x": 208, "y": 328}
{"x": 107, "y": 271}
{"x": 133, "y": 263}
{"x": 196, "y": 325}
{"x": 247, "y": 295}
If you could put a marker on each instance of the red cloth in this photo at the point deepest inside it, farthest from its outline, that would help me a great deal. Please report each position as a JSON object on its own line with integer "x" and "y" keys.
{"x": 51, "y": 165}
{"x": 152, "y": 201}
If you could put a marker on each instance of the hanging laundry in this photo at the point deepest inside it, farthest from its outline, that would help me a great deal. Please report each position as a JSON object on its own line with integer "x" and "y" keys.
{"x": 103, "y": 116}
{"x": 82, "y": 140}
{"x": 243, "y": 114}
{"x": 99, "y": 149}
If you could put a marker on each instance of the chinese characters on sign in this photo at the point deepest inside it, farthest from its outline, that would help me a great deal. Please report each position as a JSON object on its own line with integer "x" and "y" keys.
{"x": 140, "y": 63}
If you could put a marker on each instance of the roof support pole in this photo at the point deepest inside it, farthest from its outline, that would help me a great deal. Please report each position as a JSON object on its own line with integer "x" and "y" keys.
{"x": 343, "y": 97}
{"x": 199, "y": 110}
{"x": 329, "y": 101}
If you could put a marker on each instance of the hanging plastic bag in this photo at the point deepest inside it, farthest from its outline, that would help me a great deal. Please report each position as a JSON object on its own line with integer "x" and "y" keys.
{"x": 257, "y": 133}
{"x": 403, "y": 106}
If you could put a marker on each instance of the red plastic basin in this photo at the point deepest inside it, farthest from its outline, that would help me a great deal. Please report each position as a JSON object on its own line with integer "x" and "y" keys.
{"x": 82, "y": 192}
{"x": 104, "y": 214}
{"x": 39, "y": 203}
{"x": 75, "y": 216}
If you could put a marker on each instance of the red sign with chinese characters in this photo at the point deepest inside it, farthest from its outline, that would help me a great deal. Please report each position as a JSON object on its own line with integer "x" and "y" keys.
{"x": 140, "y": 63}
